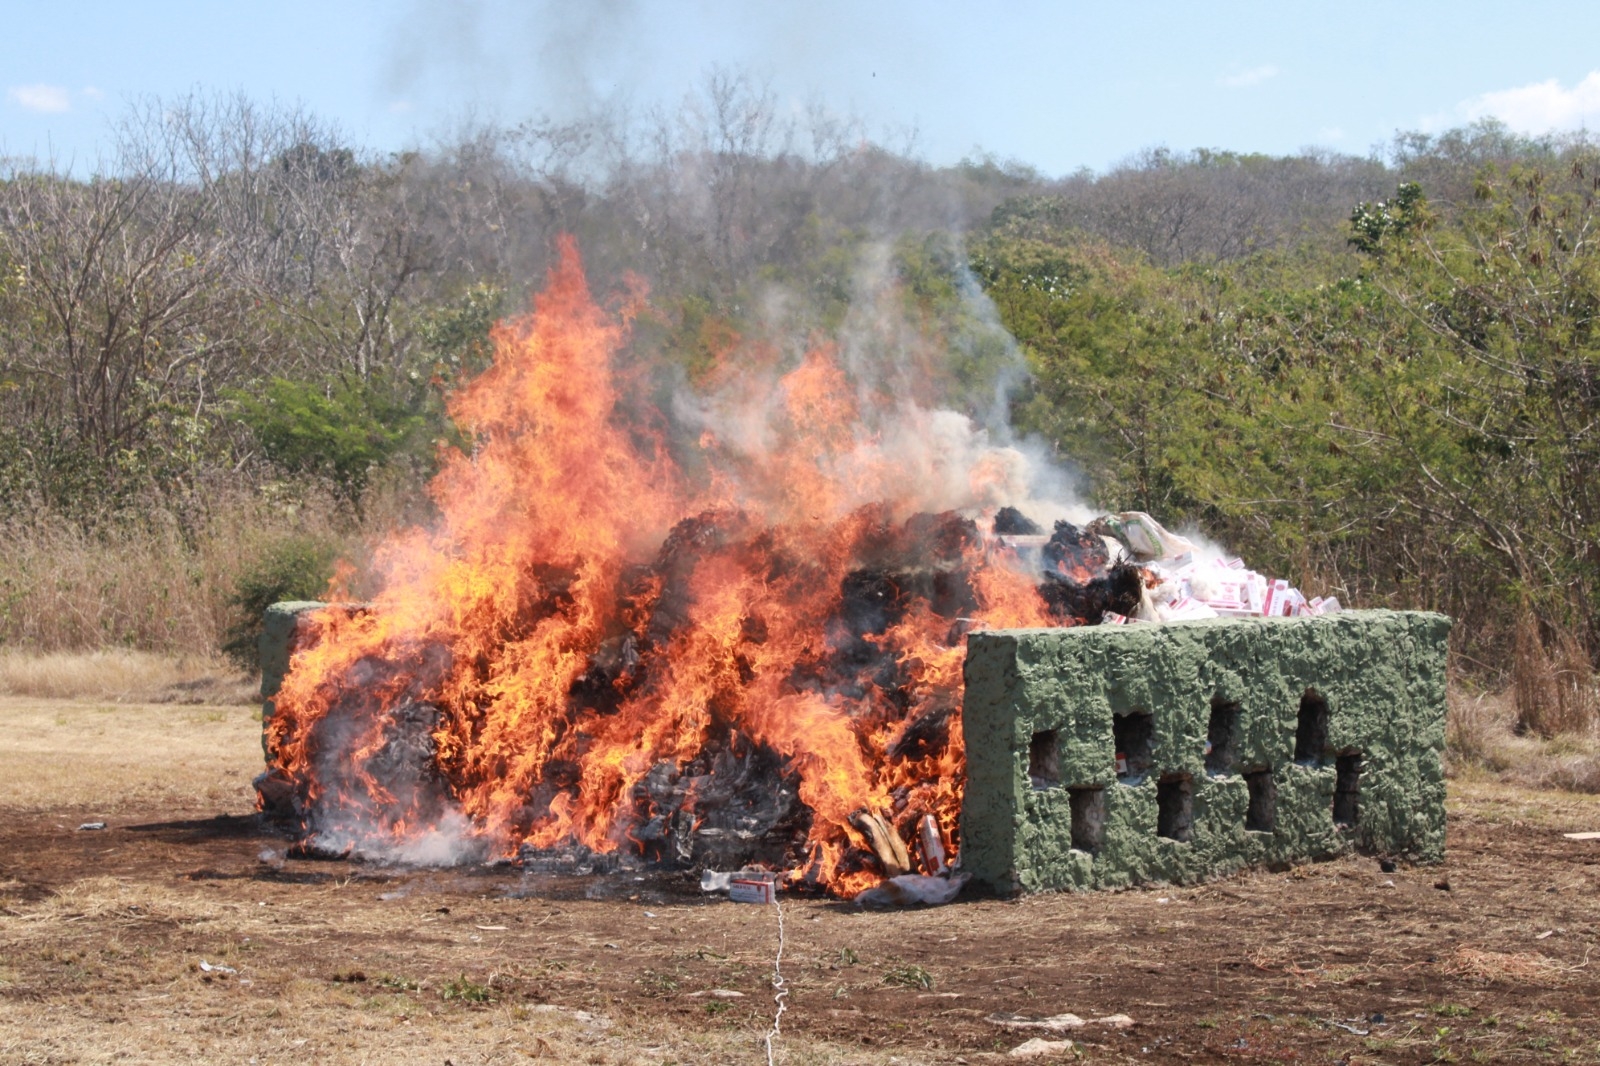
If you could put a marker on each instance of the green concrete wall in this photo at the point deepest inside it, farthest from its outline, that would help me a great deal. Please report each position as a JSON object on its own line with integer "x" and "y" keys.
{"x": 1381, "y": 675}
{"x": 276, "y": 643}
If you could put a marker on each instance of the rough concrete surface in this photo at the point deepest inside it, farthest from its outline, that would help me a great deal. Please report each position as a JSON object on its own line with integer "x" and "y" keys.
{"x": 279, "y": 626}
{"x": 1267, "y": 741}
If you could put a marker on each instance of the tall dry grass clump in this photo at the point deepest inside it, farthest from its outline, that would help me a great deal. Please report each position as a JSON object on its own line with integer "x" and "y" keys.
{"x": 157, "y": 578}
{"x": 1479, "y": 726}
{"x": 1541, "y": 731}
{"x": 132, "y": 584}
{"x": 1482, "y": 735}
{"x": 123, "y": 675}
{"x": 1553, "y": 683}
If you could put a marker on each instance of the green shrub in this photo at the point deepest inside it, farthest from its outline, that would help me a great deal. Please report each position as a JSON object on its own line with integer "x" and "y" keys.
{"x": 341, "y": 429}
{"x": 294, "y": 568}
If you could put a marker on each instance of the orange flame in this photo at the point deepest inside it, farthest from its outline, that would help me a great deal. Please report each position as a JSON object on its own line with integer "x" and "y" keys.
{"x": 581, "y": 617}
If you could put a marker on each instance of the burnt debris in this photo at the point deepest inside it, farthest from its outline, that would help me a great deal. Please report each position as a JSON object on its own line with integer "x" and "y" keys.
{"x": 1082, "y": 582}
{"x": 736, "y": 803}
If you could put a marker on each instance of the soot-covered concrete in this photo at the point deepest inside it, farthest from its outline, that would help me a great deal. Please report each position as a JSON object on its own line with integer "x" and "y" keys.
{"x": 1103, "y": 756}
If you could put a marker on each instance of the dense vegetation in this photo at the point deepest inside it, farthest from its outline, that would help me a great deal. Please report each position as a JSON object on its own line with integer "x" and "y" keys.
{"x": 223, "y": 355}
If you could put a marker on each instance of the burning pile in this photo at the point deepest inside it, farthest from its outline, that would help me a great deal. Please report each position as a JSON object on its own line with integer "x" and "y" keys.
{"x": 589, "y": 662}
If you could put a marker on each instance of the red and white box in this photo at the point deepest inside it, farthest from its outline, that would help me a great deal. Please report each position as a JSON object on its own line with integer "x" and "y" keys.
{"x": 1277, "y": 602}
{"x": 751, "y": 890}
{"x": 1226, "y": 593}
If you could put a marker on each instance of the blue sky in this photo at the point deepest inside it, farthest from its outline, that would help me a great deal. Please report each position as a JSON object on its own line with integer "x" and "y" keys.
{"x": 1058, "y": 85}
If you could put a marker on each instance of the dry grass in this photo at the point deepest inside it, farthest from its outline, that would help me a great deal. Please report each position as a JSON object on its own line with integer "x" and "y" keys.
{"x": 104, "y": 755}
{"x": 1552, "y": 682}
{"x": 1525, "y": 966}
{"x": 123, "y": 675}
{"x": 1482, "y": 736}
{"x": 158, "y": 580}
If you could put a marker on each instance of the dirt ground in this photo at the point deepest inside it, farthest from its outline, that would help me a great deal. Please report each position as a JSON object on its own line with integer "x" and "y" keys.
{"x": 180, "y": 931}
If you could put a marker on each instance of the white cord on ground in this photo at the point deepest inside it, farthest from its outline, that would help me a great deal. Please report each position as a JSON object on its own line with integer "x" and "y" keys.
{"x": 779, "y": 986}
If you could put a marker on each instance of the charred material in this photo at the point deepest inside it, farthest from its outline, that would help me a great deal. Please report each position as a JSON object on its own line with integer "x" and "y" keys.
{"x": 941, "y": 539}
{"x": 924, "y": 736}
{"x": 1010, "y": 522}
{"x": 400, "y": 779}
{"x": 736, "y": 801}
{"x": 614, "y": 669}
{"x": 1073, "y": 602}
{"x": 663, "y": 591}
{"x": 1076, "y": 554}
{"x": 736, "y": 807}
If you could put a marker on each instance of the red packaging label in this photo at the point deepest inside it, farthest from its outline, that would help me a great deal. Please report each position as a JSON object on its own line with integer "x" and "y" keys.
{"x": 740, "y": 891}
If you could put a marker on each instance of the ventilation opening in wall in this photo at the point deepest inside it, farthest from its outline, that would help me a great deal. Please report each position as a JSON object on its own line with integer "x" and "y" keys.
{"x": 1133, "y": 734}
{"x": 1088, "y": 818}
{"x": 1261, "y": 815}
{"x": 1044, "y": 760}
{"x": 1347, "y": 789}
{"x": 1311, "y": 734}
{"x": 1174, "y": 807}
{"x": 1222, "y": 734}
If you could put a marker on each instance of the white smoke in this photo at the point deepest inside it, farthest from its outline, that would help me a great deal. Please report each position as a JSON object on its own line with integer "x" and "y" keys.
{"x": 904, "y": 447}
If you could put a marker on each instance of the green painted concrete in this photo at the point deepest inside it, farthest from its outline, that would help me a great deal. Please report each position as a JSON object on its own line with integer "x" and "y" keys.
{"x": 1380, "y": 673}
{"x": 276, "y": 644}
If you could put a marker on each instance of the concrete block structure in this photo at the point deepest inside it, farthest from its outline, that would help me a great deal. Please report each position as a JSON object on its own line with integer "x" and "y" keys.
{"x": 1104, "y": 756}
{"x": 280, "y": 629}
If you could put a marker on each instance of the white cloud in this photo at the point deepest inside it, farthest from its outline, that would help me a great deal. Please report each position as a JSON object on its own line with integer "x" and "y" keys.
{"x": 399, "y": 107}
{"x": 1244, "y": 79}
{"x": 1541, "y": 107}
{"x": 93, "y": 92}
{"x": 1329, "y": 134}
{"x": 47, "y": 99}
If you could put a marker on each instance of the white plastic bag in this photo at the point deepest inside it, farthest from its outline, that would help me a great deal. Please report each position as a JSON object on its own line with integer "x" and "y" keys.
{"x": 910, "y": 889}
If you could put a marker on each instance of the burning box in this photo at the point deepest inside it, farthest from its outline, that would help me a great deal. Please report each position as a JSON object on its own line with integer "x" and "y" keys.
{"x": 1102, "y": 756}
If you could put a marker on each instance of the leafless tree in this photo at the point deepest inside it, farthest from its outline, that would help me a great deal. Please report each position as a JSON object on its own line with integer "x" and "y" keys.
{"x": 124, "y": 277}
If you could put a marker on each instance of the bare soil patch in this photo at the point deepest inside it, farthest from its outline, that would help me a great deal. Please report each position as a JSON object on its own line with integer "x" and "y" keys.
{"x": 182, "y": 931}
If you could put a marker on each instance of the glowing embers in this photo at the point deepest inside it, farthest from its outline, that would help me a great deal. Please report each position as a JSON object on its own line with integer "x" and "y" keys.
{"x": 1347, "y": 790}
{"x": 1133, "y": 740}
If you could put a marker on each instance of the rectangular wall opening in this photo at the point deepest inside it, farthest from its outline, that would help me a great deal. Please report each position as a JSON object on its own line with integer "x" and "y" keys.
{"x": 1261, "y": 815}
{"x": 1222, "y": 736}
{"x": 1174, "y": 807}
{"x": 1347, "y": 789}
{"x": 1133, "y": 735}
{"x": 1088, "y": 818}
{"x": 1311, "y": 732}
{"x": 1044, "y": 759}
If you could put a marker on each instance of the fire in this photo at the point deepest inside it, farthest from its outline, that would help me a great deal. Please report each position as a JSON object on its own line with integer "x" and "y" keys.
{"x": 593, "y": 648}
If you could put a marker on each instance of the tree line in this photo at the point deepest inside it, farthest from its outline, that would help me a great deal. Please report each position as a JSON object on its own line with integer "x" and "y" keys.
{"x": 1375, "y": 373}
